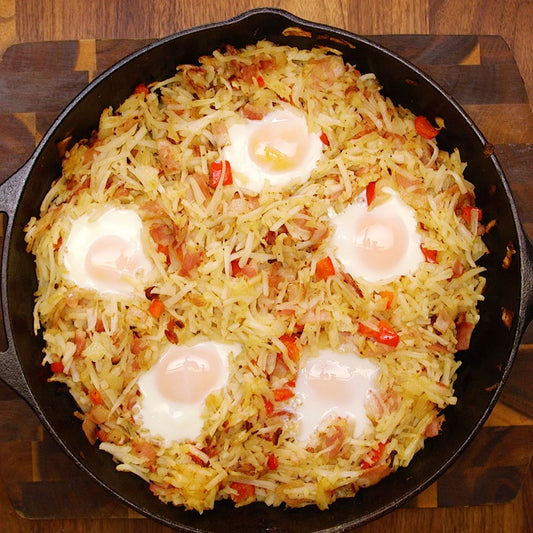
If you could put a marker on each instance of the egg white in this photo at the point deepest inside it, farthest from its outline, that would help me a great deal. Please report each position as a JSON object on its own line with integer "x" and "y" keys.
{"x": 333, "y": 384}
{"x": 391, "y": 223}
{"x": 98, "y": 242}
{"x": 253, "y": 176}
{"x": 177, "y": 421}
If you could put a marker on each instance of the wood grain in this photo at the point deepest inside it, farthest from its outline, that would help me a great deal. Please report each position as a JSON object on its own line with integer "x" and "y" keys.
{"x": 510, "y": 19}
{"x": 34, "y": 473}
{"x": 40, "y": 20}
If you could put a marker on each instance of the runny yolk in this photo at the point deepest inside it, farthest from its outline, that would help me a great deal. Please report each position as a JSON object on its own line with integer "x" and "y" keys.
{"x": 381, "y": 242}
{"x": 277, "y": 145}
{"x": 188, "y": 374}
{"x": 109, "y": 257}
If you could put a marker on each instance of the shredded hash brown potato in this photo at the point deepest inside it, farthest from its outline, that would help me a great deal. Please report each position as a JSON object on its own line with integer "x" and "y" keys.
{"x": 153, "y": 155}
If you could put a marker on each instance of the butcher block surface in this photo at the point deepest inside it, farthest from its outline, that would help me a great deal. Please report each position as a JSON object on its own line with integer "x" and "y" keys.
{"x": 38, "y": 79}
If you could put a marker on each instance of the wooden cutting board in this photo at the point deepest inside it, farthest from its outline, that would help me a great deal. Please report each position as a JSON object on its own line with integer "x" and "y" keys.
{"x": 38, "y": 79}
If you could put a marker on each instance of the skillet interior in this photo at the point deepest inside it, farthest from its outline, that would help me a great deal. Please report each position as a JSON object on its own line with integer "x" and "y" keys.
{"x": 486, "y": 363}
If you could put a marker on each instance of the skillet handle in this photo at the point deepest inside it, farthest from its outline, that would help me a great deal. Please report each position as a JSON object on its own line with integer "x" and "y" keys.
{"x": 11, "y": 371}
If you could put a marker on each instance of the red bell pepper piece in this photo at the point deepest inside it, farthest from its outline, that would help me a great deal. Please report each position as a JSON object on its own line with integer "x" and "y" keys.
{"x": 282, "y": 394}
{"x": 221, "y": 170}
{"x": 272, "y": 462}
{"x": 244, "y": 491}
{"x": 57, "y": 366}
{"x": 269, "y": 407}
{"x": 96, "y": 397}
{"x": 429, "y": 255}
{"x": 141, "y": 89}
{"x": 324, "y": 268}
{"x": 467, "y": 211}
{"x": 373, "y": 456}
{"x": 156, "y": 308}
{"x": 388, "y": 296}
{"x": 424, "y": 127}
{"x": 370, "y": 192}
{"x": 384, "y": 333}
{"x": 291, "y": 343}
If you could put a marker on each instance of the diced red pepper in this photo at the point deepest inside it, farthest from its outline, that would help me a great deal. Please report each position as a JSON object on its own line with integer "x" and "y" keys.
{"x": 366, "y": 330}
{"x": 424, "y": 127}
{"x": 281, "y": 395}
{"x": 272, "y": 462}
{"x": 156, "y": 308}
{"x": 244, "y": 491}
{"x": 221, "y": 170}
{"x": 388, "y": 296}
{"x": 365, "y": 465}
{"x": 324, "y": 268}
{"x": 385, "y": 333}
{"x": 235, "y": 268}
{"x": 293, "y": 349}
{"x": 370, "y": 192}
{"x": 467, "y": 211}
{"x": 269, "y": 407}
{"x": 141, "y": 89}
{"x": 165, "y": 250}
{"x": 429, "y": 255}
{"x": 324, "y": 139}
{"x": 373, "y": 456}
{"x": 57, "y": 366}
{"x": 260, "y": 81}
{"x": 96, "y": 397}
{"x": 102, "y": 435}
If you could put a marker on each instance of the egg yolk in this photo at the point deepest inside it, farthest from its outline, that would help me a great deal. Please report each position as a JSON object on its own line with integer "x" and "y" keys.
{"x": 381, "y": 242}
{"x": 188, "y": 374}
{"x": 109, "y": 257}
{"x": 277, "y": 144}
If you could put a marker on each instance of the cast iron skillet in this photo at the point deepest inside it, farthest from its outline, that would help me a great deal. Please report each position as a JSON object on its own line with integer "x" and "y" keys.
{"x": 487, "y": 362}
